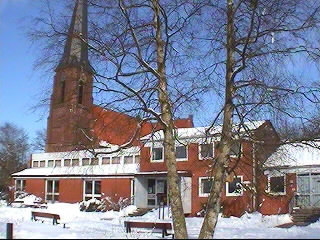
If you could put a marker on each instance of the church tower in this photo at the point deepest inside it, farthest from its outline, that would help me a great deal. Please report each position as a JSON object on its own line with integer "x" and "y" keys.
{"x": 71, "y": 100}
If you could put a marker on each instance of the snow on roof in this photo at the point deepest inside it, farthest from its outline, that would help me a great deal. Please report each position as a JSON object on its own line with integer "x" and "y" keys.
{"x": 199, "y": 132}
{"x": 295, "y": 155}
{"x": 116, "y": 169}
{"x": 86, "y": 154}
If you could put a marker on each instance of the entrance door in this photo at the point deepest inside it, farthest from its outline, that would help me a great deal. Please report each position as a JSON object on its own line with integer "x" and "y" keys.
{"x": 308, "y": 190}
{"x": 156, "y": 188}
{"x": 315, "y": 190}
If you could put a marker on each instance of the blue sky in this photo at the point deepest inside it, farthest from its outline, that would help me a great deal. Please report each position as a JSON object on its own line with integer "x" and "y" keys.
{"x": 20, "y": 85}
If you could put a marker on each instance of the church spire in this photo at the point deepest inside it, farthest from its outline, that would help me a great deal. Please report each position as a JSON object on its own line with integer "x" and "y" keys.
{"x": 76, "y": 50}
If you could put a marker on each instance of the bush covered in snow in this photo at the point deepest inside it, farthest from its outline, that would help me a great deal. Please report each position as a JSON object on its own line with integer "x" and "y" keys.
{"x": 103, "y": 205}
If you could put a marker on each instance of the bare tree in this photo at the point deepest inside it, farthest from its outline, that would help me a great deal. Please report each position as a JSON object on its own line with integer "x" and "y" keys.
{"x": 139, "y": 68}
{"x": 13, "y": 152}
{"x": 39, "y": 142}
{"x": 251, "y": 44}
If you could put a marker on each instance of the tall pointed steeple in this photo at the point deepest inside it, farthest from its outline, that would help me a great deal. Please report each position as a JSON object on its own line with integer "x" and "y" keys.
{"x": 76, "y": 50}
{"x": 71, "y": 100}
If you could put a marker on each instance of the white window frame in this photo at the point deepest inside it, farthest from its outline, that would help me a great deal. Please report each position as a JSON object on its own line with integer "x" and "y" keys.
{"x": 151, "y": 150}
{"x": 135, "y": 159}
{"x": 53, "y": 188}
{"x": 21, "y": 186}
{"x": 182, "y": 159}
{"x": 201, "y": 193}
{"x": 234, "y": 194}
{"x": 92, "y": 195}
{"x": 241, "y": 152}
{"x": 284, "y": 183}
{"x": 38, "y": 164}
{"x": 199, "y": 149}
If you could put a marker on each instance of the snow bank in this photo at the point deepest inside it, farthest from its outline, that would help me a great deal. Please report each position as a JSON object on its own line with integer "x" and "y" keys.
{"x": 109, "y": 224}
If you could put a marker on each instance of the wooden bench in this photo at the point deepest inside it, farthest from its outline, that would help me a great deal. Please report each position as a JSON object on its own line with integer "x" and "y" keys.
{"x": 164, "y": 226}
{"x": 55, "y": 217}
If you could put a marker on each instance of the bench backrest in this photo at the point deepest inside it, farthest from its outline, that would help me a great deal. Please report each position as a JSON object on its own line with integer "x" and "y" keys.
{"x": 46, "y": 215}
{"x": 150, "y": 225}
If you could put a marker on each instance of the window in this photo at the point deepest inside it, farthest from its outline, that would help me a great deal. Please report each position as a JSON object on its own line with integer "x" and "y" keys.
{"x": 205, "y": 184}
{"x": 20, "y": 186}
{"x": 181, "y": 153}
{"x": 94, "y": 161}
{"x": 51, "y": 163}
{"x": 137, "y": 159}
{"x": 58, "y": 163}
{"x": 128, "y": 159}
{"x": 105, "y": 160}
{"x": 157, "y": 154}
{"x": 115, "y": 160}
{"x": 35, "y": 164}
{"x": 92, "y": 189}
{"x": 42, "y": 163}
{"x": 80, "y": 93}
{"x": 62, "y": 90}
{"x": 52, "y": 190}
{"x": 276, "y": 185}
{"x": 234, "y": 188}
{"x": 85, "y": 161}
{"x": 206, "y": 151}
{"x": 67, "y": 162}
{"x": 75, "y": 162}
{"x": 236, "y": 149}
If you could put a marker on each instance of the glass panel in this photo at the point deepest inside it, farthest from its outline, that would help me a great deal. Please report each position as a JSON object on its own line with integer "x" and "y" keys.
{"x": 137, "y": 159}
{"x": 56, "y": 190}
{"x": 75, "y": 162}
{"x": 50, "y": 163}
{"x": 236, "y": 149}
{"x": 97, "y": 187}
{"x": 35, "y": 163}
{"x": 128, "y": 159}
{"x": 157, "y": 154}
{"x": 303, "y": 184}
{"x": 151, "y": 202}
{"x": 88, "y": 187}
{"x": 235, "y": 186}
{"x": 18, "y": 185}
{"x": 303, "y": 200}
{"x": 105, "y": 160}
{"x": 67, "y": 162}
{"x": 94, "y": 161}
{"x": 206, "y": 185}
{"x": 58, "y": 163}
{"x": 315, "y": 184}
{"x": 181, "y": 152}
{"x": 23, "y": 184}
{"x": 115, "y": 160}
{"x": 161, "y": 185}
{"x": 56, "y": 197}
{"x": 85, "y": 161}
{"x": 49, "y": 186}
{"x": 206, "y": 150}
{"x": 42, "y": 163}
{"x": 49, "y": 197}
{"x": 151, "y": 186}
{"x": 277, "y": 184}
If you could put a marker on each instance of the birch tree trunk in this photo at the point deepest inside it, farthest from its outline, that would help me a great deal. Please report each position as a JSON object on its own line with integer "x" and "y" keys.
{"x": 179, "y": 223}
{"x": 213, "y": 205}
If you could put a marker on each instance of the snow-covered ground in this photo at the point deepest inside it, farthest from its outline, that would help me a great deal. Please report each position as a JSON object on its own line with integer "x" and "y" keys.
{"x": 110, "y": 225}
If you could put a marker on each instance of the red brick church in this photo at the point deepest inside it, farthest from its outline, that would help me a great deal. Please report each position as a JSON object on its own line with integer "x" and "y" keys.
{"x": 67, "y": 172}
